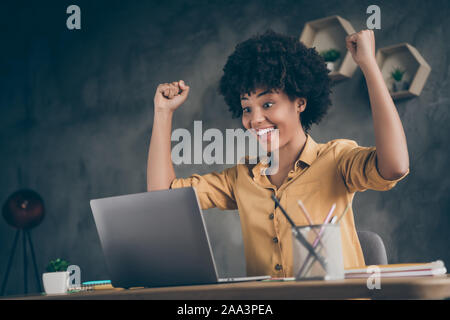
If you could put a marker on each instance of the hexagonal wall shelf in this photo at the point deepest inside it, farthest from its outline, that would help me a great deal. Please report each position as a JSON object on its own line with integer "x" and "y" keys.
{"x": 330, "y": 33}
{"x": 410, "y": 63}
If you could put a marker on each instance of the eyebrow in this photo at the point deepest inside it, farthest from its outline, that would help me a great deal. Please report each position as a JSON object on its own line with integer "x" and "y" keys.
{"x": 259, "y": 95}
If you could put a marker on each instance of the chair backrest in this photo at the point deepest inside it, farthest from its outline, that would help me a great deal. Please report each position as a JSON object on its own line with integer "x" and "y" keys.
{"x": 373, "y": 248}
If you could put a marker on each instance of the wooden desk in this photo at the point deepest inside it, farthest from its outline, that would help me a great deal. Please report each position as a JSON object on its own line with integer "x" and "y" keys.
{"x": 391, "y": 288}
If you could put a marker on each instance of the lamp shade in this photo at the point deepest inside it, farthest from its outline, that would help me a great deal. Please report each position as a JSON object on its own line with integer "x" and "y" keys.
{"x": 24, "y": 209}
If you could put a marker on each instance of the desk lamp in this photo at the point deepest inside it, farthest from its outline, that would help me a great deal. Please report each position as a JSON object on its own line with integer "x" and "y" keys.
{"x": 23, "y": 210}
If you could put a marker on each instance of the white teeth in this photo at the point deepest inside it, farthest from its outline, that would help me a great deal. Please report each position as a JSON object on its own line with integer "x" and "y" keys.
{"x": 264, "y": 131}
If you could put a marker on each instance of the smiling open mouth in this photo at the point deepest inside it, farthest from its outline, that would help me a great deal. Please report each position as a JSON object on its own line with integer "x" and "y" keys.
{"x": 265, "y": 131}
{"x": 267, "y": 134}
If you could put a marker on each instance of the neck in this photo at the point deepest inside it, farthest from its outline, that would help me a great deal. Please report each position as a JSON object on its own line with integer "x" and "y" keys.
{"x": 289, "y": 153}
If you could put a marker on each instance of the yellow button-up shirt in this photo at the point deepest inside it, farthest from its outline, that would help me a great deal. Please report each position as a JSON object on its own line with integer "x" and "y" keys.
{"x": 323, "y": 174}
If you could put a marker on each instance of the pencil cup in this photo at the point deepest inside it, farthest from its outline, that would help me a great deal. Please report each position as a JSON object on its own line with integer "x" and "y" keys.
{"x": 327, "y": 263}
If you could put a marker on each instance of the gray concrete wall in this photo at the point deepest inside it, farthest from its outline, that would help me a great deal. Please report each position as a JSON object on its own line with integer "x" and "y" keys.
{"x": 76, "y": 111}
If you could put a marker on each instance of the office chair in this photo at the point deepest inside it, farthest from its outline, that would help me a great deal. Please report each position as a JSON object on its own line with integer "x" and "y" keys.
{"x": 373, "y": 248}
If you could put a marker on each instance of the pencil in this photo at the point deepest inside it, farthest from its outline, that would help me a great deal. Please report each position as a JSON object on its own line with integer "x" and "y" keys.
{"x": 345, "y": 211}
{"x": 305, "y": 212}
{"x": 324, "y": 223}
{"x": 308, "y": 217}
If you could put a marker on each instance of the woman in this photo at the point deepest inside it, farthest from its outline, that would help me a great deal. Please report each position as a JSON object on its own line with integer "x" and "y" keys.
{"x": 273, "y": 81}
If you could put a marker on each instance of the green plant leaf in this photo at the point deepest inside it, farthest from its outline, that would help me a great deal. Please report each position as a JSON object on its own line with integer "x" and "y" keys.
{"x": 330, "y": 55}
{"x": 397, "y": 74}
{"x": 57, "y": 265}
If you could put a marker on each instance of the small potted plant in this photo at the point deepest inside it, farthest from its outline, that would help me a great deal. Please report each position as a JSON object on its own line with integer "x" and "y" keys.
{"x": 331, "y": 58}
{"x": 56, "y": 279}
{"x": 399, "y": 84}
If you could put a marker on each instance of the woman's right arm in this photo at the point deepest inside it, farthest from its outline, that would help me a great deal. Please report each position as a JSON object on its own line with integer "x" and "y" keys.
{"x": 168, "y": 98}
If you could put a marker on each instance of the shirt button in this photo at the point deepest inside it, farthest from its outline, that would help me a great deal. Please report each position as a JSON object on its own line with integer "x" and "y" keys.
{"x": 271, "y": 216}
{"x": 278, "y": 267}
{"x": 275, "y": 240}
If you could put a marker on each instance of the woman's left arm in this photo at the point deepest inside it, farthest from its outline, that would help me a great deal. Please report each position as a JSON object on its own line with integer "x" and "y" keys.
{"x": 390, "y": 139}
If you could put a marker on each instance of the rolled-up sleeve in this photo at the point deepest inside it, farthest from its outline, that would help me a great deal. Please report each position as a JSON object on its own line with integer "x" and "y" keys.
{"x": 358, "y": 168}
{"x": 215, "y": 189}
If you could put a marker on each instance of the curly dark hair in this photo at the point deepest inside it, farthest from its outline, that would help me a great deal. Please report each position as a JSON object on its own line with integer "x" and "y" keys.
{"x": 280, "y": 62}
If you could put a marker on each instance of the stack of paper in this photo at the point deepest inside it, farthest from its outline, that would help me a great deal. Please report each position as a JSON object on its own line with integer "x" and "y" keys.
{"x": 399, "y": 270}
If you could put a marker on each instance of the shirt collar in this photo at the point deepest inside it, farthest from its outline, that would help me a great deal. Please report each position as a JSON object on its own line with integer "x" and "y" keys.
{"x": 309, "y": 153}
{"x": 307, "y": 156}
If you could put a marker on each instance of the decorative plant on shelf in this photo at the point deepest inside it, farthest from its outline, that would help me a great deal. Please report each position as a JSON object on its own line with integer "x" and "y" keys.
{"x": 399, "y": 84}
{"x": 331, "y": 57}
{"x": 57, "y": 265}
{"x": 56, "y": 279}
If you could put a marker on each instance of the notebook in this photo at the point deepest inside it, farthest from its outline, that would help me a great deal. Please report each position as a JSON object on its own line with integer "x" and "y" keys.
{"x": 434, "y": 268}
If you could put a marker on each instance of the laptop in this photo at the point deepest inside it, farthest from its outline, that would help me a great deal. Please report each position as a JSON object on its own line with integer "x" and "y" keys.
{"x": 156, "y": 239}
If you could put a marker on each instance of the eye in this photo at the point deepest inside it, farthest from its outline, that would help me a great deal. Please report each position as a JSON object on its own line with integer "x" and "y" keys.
{"x": 245, "y": 110}
{"x": 265, "y": 106}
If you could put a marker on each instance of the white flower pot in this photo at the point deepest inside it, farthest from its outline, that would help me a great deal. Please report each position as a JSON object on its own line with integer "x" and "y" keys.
{"x": 330, "y": 66}
{"x": 56, "y": 282}
{"x": 399, "y": 86}
{"x": 333, "y": 66}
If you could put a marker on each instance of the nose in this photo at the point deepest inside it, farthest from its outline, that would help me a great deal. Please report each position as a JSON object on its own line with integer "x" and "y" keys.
{"x": 257, "y": 118}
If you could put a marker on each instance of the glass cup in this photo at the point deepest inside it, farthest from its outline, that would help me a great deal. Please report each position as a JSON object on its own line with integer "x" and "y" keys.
{"x": 325, "y": 240}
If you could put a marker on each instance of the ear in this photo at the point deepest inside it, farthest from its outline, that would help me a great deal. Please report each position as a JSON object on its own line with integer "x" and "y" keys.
{"x": 301, "y": 104}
